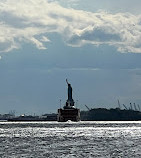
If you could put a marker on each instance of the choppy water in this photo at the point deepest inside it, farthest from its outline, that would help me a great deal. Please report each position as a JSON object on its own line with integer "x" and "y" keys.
{"x": 70, "y": 140}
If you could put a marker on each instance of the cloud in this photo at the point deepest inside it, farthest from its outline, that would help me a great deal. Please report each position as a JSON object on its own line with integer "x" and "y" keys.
{"x": 45, "y": 39}
{"x": 30, "y": 21}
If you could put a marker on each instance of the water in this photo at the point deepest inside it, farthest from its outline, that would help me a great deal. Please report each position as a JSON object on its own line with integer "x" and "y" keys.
{"x": 70, "y": 140}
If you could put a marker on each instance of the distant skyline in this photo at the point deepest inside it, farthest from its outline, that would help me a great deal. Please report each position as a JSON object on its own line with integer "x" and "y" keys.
{"x": 95, "y": 44}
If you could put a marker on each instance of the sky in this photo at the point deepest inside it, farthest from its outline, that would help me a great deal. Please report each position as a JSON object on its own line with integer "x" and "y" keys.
{"x": 95, "y": 44}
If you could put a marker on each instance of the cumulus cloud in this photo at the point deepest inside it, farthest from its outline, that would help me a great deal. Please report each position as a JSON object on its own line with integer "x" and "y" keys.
{"x": 31, "y": 21}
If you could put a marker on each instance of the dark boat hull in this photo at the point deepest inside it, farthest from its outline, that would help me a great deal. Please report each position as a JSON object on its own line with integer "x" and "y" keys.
{"x": 68, "y": 114}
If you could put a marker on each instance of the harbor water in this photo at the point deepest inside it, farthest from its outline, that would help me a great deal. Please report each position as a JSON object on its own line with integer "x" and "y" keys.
{"x": 70, "y": 139}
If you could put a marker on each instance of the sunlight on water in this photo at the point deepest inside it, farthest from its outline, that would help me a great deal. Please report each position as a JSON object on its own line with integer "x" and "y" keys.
{"x": 70, "y": 139}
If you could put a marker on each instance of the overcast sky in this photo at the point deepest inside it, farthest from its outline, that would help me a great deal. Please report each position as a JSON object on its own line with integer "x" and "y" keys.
{"x": 95, "y": 44}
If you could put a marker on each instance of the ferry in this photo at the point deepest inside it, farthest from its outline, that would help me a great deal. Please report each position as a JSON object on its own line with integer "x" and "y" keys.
{"x": 69, "y": 111}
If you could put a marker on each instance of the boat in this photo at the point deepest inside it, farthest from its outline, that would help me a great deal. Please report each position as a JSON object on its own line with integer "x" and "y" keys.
{"x": 45, "y": 117}
{"x": 69, "y": 111}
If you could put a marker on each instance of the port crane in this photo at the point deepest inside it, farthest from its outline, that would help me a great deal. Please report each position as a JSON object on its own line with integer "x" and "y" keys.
{"x": 135, "y": 107}
{"x": 87, "y": 107}
{"x": 118, "y": 104}
{"x": 139, "y": 107}
{"x": 131, "y": 106}
{"x": 125, "y": 107}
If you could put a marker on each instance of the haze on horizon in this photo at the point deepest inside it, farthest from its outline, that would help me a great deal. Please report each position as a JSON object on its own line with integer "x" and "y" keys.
{"x": 95, "y": 44}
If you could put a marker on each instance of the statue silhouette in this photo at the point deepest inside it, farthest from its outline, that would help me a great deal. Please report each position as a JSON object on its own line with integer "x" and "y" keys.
{"x": 69, "y": 91}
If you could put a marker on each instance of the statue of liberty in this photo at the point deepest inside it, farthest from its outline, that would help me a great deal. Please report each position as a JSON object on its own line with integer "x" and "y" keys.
{"x": 70, "y": 99}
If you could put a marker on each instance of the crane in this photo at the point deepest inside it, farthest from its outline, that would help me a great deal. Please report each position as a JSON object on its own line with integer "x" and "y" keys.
{"x": 135, "y": 107}
{"x": 139, "y": 107}
{"x": 131, "y": 106}
{"x": 87, "y": 107}
{"x": 125, "y": 107}
{"x": 118, "y": 104}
